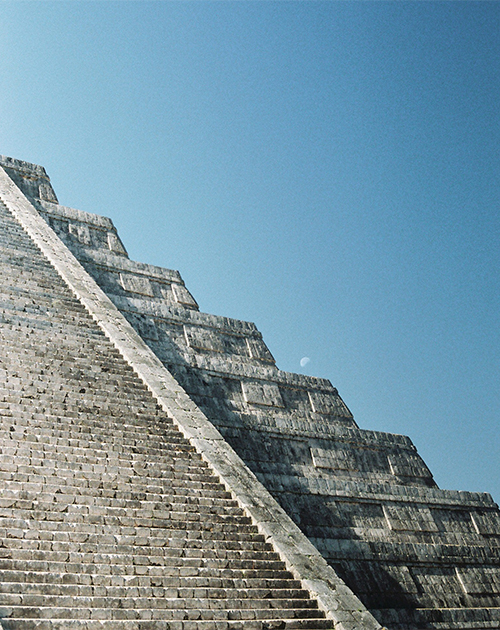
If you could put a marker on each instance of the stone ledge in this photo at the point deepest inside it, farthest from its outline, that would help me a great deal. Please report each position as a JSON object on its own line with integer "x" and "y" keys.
{"x": 110, "y": 261}
{"x": 375, "y": 492}
{"x": 176, "y": 315}
{"x": 64, "y": 212}
{"x": 301, "y": 557}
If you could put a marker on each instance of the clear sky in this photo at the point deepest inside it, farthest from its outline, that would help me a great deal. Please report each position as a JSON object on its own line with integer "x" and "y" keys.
{"x": 328, "y": 170}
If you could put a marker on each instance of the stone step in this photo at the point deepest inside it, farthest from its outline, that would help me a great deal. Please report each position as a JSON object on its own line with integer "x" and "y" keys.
{"x": 64, "y": 363}
{"x": 30, "y": 444}
{"x": 70, "y": 332}
{"x": 75, "y": 388}
{"x": 103, "y": 477}
{"x": 167, "y": 578}
{"x": 58, "y": 530}
{"x": 161, "y": 611}
{"x": 110, "y": 487}
{"x": 118, "y": 487}
{"x": 111, "y": 484}
{"x": 135, "y": 453}
{"x": 138, "y": 413}
{"x": 135, "y": 602}
{"x": 101, "y": 374}
{"x": 91, "y": 416}
{"x": 29, "y": 430}
{"x": 78, "y": 420}
{"x": 70, "y": 339}
{"x": 103, "y": 389}
{"x": 17, "y": 490}
{"x": 199, "y": 624}
{"x": 87, "y": 543}
{"x": 167, "y": 567}
{"x": 143, "y": 556}
{"x": 28, "y": 440}
{"x": 173, "y": 472}
{"x": 96, "y": 507}
{"x": 76, "y": 517}
{"x": 127, "y": 467}
{"x": 26, "y": 323}
{"x": 21, "y": 256}
{"x": 100, "y": 389}
{"x": 137, "y": 478}
{"x": 33, "y": 292}
{"x": 119, "y": 459}
{"x": 275, "y": 590}
{"x": 112, "y": 507}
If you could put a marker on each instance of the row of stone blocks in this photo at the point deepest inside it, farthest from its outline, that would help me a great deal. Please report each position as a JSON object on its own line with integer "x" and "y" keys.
{"x": 108, "y": 518}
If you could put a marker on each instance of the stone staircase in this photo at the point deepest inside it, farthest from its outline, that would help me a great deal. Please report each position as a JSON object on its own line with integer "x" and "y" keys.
{"x": 109, "y": 519}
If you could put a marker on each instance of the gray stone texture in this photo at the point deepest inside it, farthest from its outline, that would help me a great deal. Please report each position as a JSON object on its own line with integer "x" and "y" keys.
{"x": 415, "y": 555}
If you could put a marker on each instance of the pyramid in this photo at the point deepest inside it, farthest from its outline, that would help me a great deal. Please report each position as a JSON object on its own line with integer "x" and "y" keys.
{"x": 159, "y": 471}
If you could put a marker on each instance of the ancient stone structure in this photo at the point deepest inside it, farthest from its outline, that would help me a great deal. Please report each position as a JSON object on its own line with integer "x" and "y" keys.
{"x": 124, "y": 504}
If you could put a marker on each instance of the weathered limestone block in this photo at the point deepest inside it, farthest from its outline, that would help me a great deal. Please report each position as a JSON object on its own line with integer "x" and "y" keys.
{"x": 487, "y": 523}
{"x": 329, "y": 403}
{"x": 203, "y": 339}
{"x": 384, "y": 583}
{"x": 258, "y": 393}
{"x": 258, "y": 349}
{"x": 81, "y": 233}
{"x": 437, "y": 583}
{"x": 405, "y": 464}
{"x": 136, "y": 284}
{"x": 182, "y": 296}
{"x": 64, "y": 214}
{"x": 338, "y": 457}
{"x": 483, "y": 581}
{"x": 409, "y": 518}
{"x": 458, "y": 521}
{"x": 213, "y": 340}
{"x": 115, "y": 244}
{"x": 145, "y": 326}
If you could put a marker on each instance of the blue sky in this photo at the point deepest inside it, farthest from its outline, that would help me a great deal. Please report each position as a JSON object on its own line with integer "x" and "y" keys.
{"x": 328, "y": 170}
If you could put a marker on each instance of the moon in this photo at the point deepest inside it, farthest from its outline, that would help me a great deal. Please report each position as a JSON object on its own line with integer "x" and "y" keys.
{"x": 304, "y": 361}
